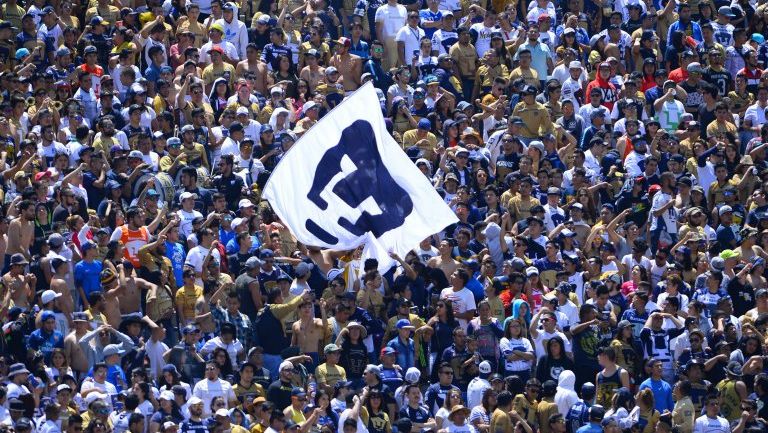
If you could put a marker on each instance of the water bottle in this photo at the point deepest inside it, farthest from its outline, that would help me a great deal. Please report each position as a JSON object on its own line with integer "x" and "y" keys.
{"x": 311, "y": 386}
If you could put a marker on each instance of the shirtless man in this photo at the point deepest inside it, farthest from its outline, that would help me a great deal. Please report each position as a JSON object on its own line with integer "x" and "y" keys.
{"x": 72, "y": 349}
{"x": 203, "y": 316}
{"x": 254, "y": 65}
{"x": 4, "y": 235}
{"x": 310, "y": 333}
{"x": 445, "y": 262}
{"x": 748, "y": 249}
{"x": 21, "y": 232}
{"x": 130, "y": 299}
{"x": 20, "y": 285}
{"x": 349, "y": 65}
{"x": 313, "y": 73}
{"x": 64, "y": 301}
{"x": 113, "y": 293}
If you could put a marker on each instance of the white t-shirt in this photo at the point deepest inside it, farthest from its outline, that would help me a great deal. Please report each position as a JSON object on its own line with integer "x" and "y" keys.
{"x": 392, "y": 19}
{"x": 195, "y": 259}
{"x": 540, "y": 342}
{"x": 669, "y": 217}
{"x": 670, "y": 115}
{"x": 232, "y": 348}
{"x": 462, "y": 301}
{"x": 411, "y": 38}
{"x": 361, "y": 427}
{"x": 705, "y": 424}
{"x": 207, "y": 390}
{"x": 506, "y": 346}
{"x": 185, "y": 225}
{"x": 483, "y": 42}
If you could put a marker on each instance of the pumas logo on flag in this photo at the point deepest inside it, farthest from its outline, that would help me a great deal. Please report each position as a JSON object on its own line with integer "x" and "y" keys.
{"x": 346, "y": 182}
{"x": 369, "y": 180}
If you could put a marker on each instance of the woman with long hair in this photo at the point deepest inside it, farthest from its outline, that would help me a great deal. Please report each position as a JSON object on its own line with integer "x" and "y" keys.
{"x": 167, "y": 408}
{"x": 443, "y": 322}
{"x": 452, "y": 399}
{"x": 147, "y": 403}
{"x": 649, "y": 76}
{"x": 628, "y": 354}
{"x": 354, "y": 354}
{"x": 554, "y": 361}
{"x": 621, "y": 403}
{"x": 400, "y": 113}
{"x": 219, "y": 96}
{"x": 644, "y": 413}
{"x": 516, "y": 350}
{"x": 488, "y": 332}
{"x": 327, "y": 417}
{"x": 170, "y": 378}
{"x": 284, "y": 73}
{"x": 450, "y": 134}
{"x": 114, "y": 255}
{"x": 637, "y": 274}
{"x": 675, "y": 48}
{"x": 498, "y": 46}
{"x": 480, "y": 417}
{"x": 378, "y": 418}
{"x": 223, "y": 361}
{"x": 59, "y": 366}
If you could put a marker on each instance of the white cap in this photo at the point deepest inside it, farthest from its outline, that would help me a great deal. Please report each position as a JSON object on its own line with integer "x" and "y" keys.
{"x": 276, "y": 90}
{"x": 166, "y": 395}
{"x": 286, "y": 365}
{"x": 90, "y": 398}
{"x": 574, "y": 65}
{"x": 186, "y": 194}
{"x": 63, "y": 387}
{"x": 237, "y": 221}
{"x": 222, "y": 412}
{"x": 412, "y": 375}
{"x": 48, "y": 296}
{"x": 243, "y": 110}
{"x": 308, "y": 106}
{"x": 194, "y": 400}
{"x": 245, "y": 203}
{"x": 485, "y": 367}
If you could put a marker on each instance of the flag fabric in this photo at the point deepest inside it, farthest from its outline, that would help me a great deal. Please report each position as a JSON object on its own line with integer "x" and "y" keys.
{"x": 346, "y": 182}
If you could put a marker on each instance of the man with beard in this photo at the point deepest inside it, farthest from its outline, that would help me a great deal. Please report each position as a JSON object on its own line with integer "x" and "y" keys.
{"x": 195, "y": 422}
{"x": 684, "y": 24}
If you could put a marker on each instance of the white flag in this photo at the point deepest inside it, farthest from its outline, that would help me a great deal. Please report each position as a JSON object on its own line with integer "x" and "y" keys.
{"x": 346, "y": 182}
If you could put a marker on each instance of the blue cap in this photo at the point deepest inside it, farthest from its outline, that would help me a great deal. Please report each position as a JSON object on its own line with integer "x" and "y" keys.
{"x": 47, "y": 10}
{"x": 165, "y": 69}
{"x": 153, "y": 193}
{"x": 266, "y": 128}
{"x": 266, "y": 253}
{"x": 757, "y": 37}
{"x": 403, "y": 324}
{"x": 21, "y": 53}
{"x": 46, "y": 315}
{"x": 425, "y": 124}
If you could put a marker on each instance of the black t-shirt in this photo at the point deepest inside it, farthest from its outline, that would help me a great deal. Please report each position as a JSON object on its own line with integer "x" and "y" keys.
{"x": 231, "y": 187}
{"x": 190, "y": 426}
{"x": 705, "y": 118}
{"x": 418, "y": 415}
{"x": 279, "y": 393}
{"x": 720, "y": 79}
{"x": 354, "y": 358}
{"x": 742, "y": 296}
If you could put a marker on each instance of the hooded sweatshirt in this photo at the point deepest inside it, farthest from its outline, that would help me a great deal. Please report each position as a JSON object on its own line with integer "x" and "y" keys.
{"x": 610, "y": 95}
{"x": 492, "y": 232}
{"x": 566, "y": 396}
{"x": 235, "y": 33}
